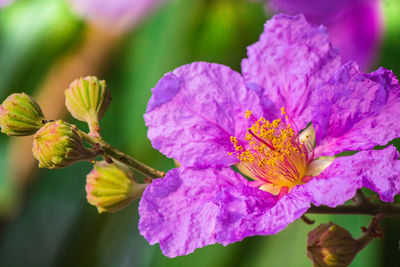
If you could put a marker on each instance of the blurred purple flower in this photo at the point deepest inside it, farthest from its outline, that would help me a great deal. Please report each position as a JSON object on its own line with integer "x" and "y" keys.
{"x": 115, "y": 14}
{"x": 198, "y": 111}
{"x": 355, "y": 26}
{"x": 3, "y": 3}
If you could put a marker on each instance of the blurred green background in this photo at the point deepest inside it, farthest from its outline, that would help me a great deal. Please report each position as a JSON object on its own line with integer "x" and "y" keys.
{"x": 46, "y": 221}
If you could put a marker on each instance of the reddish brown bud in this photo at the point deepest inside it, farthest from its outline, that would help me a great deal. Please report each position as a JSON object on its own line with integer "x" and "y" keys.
{"x": 330, "y": 245}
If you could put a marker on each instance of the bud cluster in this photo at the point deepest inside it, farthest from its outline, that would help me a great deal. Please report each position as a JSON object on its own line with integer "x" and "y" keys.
{"x": 57, "y": 144}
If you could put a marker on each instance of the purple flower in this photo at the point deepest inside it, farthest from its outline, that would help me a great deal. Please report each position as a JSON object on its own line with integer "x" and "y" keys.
{"x": 281, "y": 123}
{"x": 3, "y": 3}
{"x": 355, "y": 26}
{"x": 115, "y": 14}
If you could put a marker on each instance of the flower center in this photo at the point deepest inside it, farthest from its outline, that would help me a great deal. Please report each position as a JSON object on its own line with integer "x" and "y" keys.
{"x": 275, "y": 155}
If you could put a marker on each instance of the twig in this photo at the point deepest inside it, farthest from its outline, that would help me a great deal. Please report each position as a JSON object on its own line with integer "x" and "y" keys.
{"x": 108, "y": 150}
{"x": 373, "y": 231}
{"x": 388, "y": 210}
{"x": 307, "y": 220}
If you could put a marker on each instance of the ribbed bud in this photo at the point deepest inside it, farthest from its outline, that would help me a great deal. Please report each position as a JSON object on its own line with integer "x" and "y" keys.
{"x": 57, "y": 144}
{"x": 110, "y": 187}
{"x": 87, "y": 99}
{"x": 330, "y": 245}
{"x": 20, "y": 115}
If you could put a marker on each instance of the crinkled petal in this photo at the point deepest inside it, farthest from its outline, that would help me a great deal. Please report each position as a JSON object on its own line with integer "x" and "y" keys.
{"x": 384, "y": 179}
{"x": 291, "y": 59}
{"x": 355, "y": 26}
{"x": 378, "y": 170}
{"x": 359, "y": 111}
{"x": 193, "y": 208}
{"x": 247, "y": 211}
{"x": 177, "y": 211}
{"x": 194, "y": 111}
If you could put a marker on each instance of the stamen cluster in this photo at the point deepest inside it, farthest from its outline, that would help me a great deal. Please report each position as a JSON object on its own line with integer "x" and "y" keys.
{"x": 274, "y": 153}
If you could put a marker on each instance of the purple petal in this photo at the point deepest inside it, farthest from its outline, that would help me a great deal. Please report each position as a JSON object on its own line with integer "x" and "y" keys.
{"x": 355, "y": 26}
{"x": 115, "y": 14}
{"x": 195, "y": 110}
{"x": 177, "y": 211}
{"x": 384, "y": 179}
{"x": 378, "y": 170}
{"x": 290, "y": 60}
{"x": 360, "y": 111}
{"x": 247, "y": 211}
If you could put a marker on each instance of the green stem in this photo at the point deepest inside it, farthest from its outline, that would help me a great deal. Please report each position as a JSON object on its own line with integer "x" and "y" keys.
{"x": 94, "y": 128}
{"x": 114, "y": 153}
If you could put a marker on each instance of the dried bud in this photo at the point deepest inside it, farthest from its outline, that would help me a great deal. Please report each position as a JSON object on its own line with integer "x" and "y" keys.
{"x": 330, "y": 245}
{"x": 110, "y": 187}
{"x": 87, "y": 99}
{"x": 58, "y": 144}
{"x": 20, "y": 115}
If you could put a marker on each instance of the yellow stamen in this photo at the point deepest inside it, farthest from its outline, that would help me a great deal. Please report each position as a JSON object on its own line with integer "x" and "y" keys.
{"x": 274, "y": 153}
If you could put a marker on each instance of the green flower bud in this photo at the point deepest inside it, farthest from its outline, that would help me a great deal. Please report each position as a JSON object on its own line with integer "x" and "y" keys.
{"x": 110, "y": 187}
{"x": 330, "y": 245}
{"x": 20, "y": 115}
{"x": 87, "y": 99}
{"x": 57, "y": 144}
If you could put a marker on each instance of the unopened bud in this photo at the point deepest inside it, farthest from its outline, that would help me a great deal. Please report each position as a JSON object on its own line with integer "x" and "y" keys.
{"x": 110, "y": 187}
{"x": 20, "y": 115}
{"x": 330, "y": 245}
{"x": 58, "y": 144}
{"x": 87, "y": 99}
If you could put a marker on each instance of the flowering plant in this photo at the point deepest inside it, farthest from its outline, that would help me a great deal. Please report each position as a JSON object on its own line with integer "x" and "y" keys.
{"x": 295, "y": 133}
{"x": 283, "y": 123}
